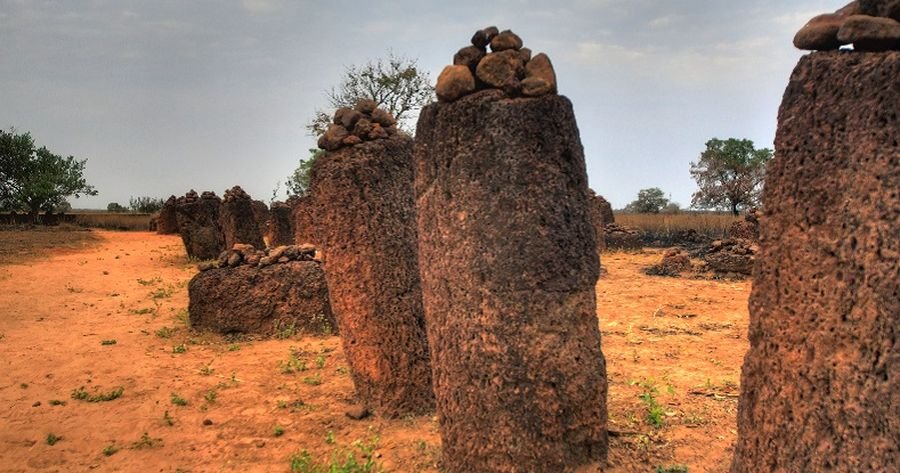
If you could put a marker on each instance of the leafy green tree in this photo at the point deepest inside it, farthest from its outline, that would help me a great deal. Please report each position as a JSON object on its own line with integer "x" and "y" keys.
{"x": 298, "y": 183}
{"x": 116, "y": 208}
{"x": 34, "y": 179}
{"x": 649, "y": 201}
{"x": 396, "y": 84}
{"x": 730, "y": 175}
{"x": 145, "y": 205}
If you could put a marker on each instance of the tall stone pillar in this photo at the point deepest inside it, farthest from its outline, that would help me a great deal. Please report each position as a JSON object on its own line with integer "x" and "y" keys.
{"x": 820, "y": 386}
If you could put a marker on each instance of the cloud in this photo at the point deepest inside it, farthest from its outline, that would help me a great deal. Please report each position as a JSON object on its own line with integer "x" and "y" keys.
{"x": 661, "y": 22}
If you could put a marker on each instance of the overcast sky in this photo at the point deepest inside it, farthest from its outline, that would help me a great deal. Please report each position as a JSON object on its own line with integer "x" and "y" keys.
{"x": 168, "y": 95}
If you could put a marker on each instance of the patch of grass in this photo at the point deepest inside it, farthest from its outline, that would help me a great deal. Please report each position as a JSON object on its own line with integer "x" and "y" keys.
{"x": 206, "y": 370}
{"x": 178, "y": 400}
{"x": 161, "y": 293}
{"x": 211, "y": 396}
{"x": 359, "y": 459}
{"x": 52, "y": 439}
{"x": 81, "y": 395}
{"x": 320, "y": 361}
{"x": 234, "y": 347}
{"x": 314, "y": 380}
{"x": 108, "y": 342}
{"x": 57, "y": 402}
{"x": 655, "y": 412}
{"x": 110, "y": 450}
{"x": 329, "y": 437}
{"x": 167, "y": 419}
{"x": 293, "y": 364}
{"x": 671, "y": 469}
{"x": 284, "y": 331}
{"x": 149, "y": 282}
{"x": 180, "y": 348}
{"x": 278, "y": 431}
{"x": 146, "y": 441}
{"x": 166, "y": 332}
{"x": 144, "y": 311}
{"x": 184, "y": 317}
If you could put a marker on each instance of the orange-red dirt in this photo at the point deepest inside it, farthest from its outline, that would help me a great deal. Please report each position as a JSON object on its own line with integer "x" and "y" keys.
{"x": 681, "y": 339}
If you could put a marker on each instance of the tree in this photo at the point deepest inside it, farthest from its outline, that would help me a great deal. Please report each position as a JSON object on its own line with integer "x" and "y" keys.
{"x": 730, "y": 175}
{"x": 145, "y": 205}
{"x": 116, "y": 208}
{"x": 649, "y": 201}
{"x": 396, "y": 84}
{"x": 34, "y": 179}
{"x": 298, "y": 183}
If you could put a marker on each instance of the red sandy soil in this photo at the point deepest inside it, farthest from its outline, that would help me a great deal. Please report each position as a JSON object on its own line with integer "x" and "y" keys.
{"x": 680, "y": 339}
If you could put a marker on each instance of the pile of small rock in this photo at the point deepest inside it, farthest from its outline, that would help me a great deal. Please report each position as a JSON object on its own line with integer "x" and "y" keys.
{"x": 748, "y": 228}
{"x": 242, "y": 254}
{"x": 352, "y": 126}
{"x": 731, "y": 256}
{"x": 869, "y": 25}
{"x": 508, "y": 67}
{"x": 675, "y": 261}
{"x": 619, "y": 237}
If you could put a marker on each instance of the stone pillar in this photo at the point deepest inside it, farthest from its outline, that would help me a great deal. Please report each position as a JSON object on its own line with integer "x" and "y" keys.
{"x": 239, "y": 222}
{"x": 303, "y": 214}
{"x": 261, "y": 215}
{"x": 820, "y": 387}
{"x": 198, "y": 223}
{"x": 280, "y": 229}
{"x": 167, "y": 221}
{"x": 365, "y": 228}
{"x": 509, "y": 264}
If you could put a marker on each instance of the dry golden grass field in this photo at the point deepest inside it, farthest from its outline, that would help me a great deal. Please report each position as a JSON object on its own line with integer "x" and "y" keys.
{"x": 100, "y": 371}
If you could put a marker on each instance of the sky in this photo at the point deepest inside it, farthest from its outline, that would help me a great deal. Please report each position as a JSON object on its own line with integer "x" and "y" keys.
{"x": 161, "y": 97}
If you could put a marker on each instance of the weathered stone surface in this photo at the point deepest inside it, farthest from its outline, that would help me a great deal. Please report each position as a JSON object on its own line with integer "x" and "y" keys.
{"x": 198, "y": 224}
{"x": 820, "y": 386}
{"x": 601, "y": 214}
{"x": 383, "y": 117}
{"x": 885, "y": 8}
{"x": 167, "y": 220}
{"x": 509, "y": 264}
{"x": 454, "y": 82}
{"x": 869, "y": 33}
{"x": 238, "y": 219}
{"x": 501, "y": 70}
{"x": 469, "y": 56}
{"x": 280, "y": 229}
{"x": 365, "y": 226}
{"x": 261, "y": 301}
{"x": 540, "y": 78}
{"x": 506, "y": 40}
{"x": 746, "y": 228}
{"x": 366, "y": 106}
{"x": 820, "y": 33}
{"x": 303, "y": 212}
{"x": 619, "y": 237}
{"x": 261, "y": 215}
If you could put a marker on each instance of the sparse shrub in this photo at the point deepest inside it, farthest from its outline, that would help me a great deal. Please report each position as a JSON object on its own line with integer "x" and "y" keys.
{"x": 146, "y": 442}
{"x": 180, "y": 348}
{"x": 107, "y": 342}
{"x": 178, "y": 400}
{"x": 110, "y": 450}
{"x": 81, "y": 395}
{"x": 52, "y": 439}
{"x": 166, "y": 332}
{"x": 278, "y": 431}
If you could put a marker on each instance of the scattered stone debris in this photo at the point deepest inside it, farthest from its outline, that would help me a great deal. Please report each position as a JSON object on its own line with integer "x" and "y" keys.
{"x": 748, "y": 228}
{"x": 508, "y": 67}
{"x": 352, "y": 126}
{"x": 732, "y": 257}
{"x": 869, "y": 25}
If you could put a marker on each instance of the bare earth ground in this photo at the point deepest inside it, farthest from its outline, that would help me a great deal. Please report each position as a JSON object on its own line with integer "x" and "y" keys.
{"x": 672, "y": 343}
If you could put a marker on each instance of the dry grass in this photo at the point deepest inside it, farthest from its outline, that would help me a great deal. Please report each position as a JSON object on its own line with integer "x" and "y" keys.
{"x": 665, "y": 227}
{"x": 114, "y": 221}
{"x": 19, "y": 245}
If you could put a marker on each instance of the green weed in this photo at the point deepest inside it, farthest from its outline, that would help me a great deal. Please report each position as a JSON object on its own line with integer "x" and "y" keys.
{"x": 178, "y": 400}
{"x": 52, "y": 439}
{"x": 110, "y": 450}
{"x": 81, "y": 395}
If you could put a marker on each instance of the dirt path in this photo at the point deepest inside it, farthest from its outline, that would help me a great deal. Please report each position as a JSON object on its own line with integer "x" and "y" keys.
{"x": 662, "y": 336}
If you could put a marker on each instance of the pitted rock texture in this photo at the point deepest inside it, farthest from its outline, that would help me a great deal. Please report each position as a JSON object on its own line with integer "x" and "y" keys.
{"x": 601, "y": 214}
{"x": 261, "y": 301}
{"x": 674, "y": 262}
{"x": 167, "y": 220}
{"x": 509, "y": 264}
{"x": 280, "y": 229}
{"x": 365, "y": 224}
{"x": 508, "y": 67}
{"x": 261, "y": 215}
{"x": 239, "y": 223}
{"x": 303, "y": 212}
{"x": 869, "y": 25}
{"x": 199, "y": 226}
{"x": 733, "y": 257}
{"x": 746, "y": 228}
{"x": 820, "y": 386}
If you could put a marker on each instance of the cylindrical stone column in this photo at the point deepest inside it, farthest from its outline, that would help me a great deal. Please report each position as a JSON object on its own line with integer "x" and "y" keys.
{"x": 509, "y": 264}
{"x": 198, "y": 224}
{"x": 239, "y": 219}
{"x": 366, "y": 229}
{"x": 820, "y": 387}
